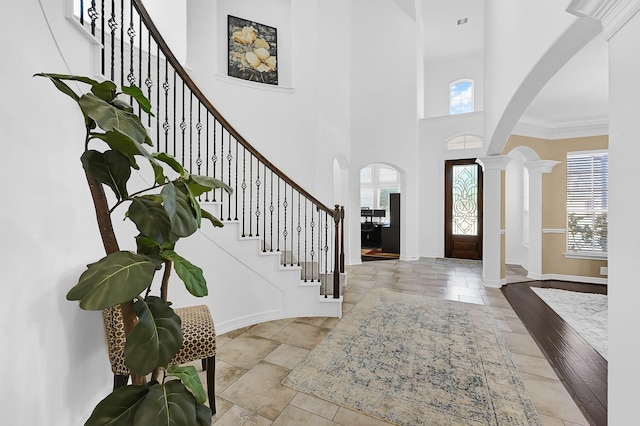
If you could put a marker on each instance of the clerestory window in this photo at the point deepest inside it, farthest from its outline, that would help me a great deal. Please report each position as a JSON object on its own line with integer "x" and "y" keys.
{"x": 461, "y": 97}
{"x": 587, "y": 202}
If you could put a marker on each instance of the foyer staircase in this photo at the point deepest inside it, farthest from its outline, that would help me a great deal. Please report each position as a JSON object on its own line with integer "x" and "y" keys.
{"x": 276, "y": 234}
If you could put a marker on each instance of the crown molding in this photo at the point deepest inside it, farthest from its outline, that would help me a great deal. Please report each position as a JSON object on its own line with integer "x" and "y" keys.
{"x": 612, "y": 14}
{"x": 549, "y": 130}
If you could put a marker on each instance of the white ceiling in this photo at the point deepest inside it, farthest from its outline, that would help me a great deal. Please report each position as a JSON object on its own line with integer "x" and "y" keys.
{"x": 576, "y": 94}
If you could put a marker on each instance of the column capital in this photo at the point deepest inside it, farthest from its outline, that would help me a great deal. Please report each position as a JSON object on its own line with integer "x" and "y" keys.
{"x": 612, "y": 14}
{"x": 541, "y": 166}
{"x": 494, "y": 162}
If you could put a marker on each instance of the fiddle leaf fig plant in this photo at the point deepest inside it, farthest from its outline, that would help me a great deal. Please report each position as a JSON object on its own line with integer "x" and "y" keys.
{"x": 163, "y": 213}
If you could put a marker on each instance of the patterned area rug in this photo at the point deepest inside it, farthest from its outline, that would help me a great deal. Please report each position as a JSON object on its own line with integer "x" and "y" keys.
{"x": 586, "y": 313}
{"x": 414, "y": 360}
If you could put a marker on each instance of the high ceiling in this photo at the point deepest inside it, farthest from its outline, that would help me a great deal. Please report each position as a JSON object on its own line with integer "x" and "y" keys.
{"x": 576, "y": 94}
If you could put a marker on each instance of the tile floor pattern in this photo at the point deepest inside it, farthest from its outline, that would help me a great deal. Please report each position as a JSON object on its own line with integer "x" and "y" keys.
{"x": 251, "y": 362}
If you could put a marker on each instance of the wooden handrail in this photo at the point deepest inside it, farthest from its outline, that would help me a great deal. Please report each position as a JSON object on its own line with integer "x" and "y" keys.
{"x": 146, "y": 18}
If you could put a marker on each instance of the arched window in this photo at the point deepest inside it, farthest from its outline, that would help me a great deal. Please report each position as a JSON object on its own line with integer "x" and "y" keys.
{"x": 461, "y": 97}
{"x": 464, "y": 142}
{"x": 377, "y": 181}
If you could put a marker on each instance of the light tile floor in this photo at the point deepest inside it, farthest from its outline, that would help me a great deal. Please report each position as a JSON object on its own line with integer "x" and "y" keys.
{"x": 251, "y": 362}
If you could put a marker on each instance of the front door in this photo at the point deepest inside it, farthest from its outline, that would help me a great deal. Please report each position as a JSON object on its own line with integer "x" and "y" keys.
{"x": 463, "y": 209}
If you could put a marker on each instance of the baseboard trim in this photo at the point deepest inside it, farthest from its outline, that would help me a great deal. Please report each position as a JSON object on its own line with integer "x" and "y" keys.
{"x": 493, "y": 283}
{"x": 248, "y": 320}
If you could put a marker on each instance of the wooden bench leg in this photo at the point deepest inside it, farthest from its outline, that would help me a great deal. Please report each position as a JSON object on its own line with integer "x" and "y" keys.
{"x": 119, "y": 381}
{"x": 211, "y": 382}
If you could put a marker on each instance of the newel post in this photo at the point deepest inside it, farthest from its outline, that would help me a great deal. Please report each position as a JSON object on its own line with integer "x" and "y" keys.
{"x": 336, "y": 264}
{"x": 342, "y": 239}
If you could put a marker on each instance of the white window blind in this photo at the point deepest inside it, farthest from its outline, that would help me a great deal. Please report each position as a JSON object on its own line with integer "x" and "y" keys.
{"x": 587, "y": 201}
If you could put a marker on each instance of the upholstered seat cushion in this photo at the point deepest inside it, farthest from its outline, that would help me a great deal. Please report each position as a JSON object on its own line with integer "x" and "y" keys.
{"x": 199, "y": 336}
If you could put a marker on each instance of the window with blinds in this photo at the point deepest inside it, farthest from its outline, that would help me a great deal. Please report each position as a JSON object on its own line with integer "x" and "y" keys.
{"x": 587, "y": 201}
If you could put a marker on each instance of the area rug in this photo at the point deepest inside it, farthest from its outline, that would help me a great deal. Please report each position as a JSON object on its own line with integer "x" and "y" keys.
{"x": 414, "y": 360}
{"x": 586, "y": 313}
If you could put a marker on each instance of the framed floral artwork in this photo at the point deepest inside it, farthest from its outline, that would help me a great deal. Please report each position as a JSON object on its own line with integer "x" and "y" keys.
{"x": 253, "y": 51}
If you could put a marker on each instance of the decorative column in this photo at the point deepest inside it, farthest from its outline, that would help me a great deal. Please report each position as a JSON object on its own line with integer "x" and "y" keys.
{"x": 536, "y": 169}
{"x": 492, "y": 233}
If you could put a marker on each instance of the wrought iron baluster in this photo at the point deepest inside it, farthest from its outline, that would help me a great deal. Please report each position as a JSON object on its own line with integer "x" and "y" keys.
{"x": 166, "y": 126}
{"x": 206, "y": 155}
{"x": 235, "y": 189}
{"x": 157, "y": 94}
{"x": 244, "y": 186}
{"x": 236, "y": 177}
{"x": 271, "y": 208}
{"x": 121, "y": 42}
{"x": 284, "y": 223}
{"x": 222, "y": 169}
{"x": 250, "y": 194}
{"x": 326, "y": 248}
{"x": 299, "y": 229}
{"x": 278, "y": 216}
{"x": 175, "y": 97}
{"x": 93, "y": 14}
{"x": 148, "y": 81}
{"x": 113, "y": 26}
{"x": 312, "y": 252}
{"x": 131, "y": 32}
{"x": 306, "y": 265}
{"x": 198, "y": 148}
{"x": 190, "y": 130}
{"x": 292, "y": 232}
{"x": 102, "y": 40}
{"x": 183, "y": 126}
{"x": 214, "y": 156}
{"x": 258, "y": 183}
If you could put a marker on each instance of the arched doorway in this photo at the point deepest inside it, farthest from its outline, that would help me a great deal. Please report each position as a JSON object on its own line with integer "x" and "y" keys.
{"x": 379, "y": 212}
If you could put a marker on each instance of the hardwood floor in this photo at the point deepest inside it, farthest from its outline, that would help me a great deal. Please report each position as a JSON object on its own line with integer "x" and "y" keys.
{"x": 580, "y": 367}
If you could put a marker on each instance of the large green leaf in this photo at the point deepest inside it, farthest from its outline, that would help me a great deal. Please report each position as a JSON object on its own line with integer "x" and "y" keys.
{"x": 190, "y": 274}
{"x": 110, "y": 117}
{"x": 171, "y": 162}
{"x": 203, "y": 415}
{"x": 79, "y": 78}
{"x": 111, "y": 168}
{"x": 119, "y": 407}
{"x": 63, "y": 87}
{"x": 105, "y": 90}
{"x": 136, "y": 93}
{"x": 200, "y": 184}
{"x": 168, "y": 404}
{"x": 189, "y": 377}
{"x": 151, "y": 219}
{"x": 117, "y": 278}
{"x": 214, "y": 220}
{"x": 156, "y": 338}
{"x": 178, "y": 207}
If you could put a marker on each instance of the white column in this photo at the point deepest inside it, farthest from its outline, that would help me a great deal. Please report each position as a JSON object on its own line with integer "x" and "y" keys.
{"x": 492, "y": 168}
{"x": 536, "y": 169}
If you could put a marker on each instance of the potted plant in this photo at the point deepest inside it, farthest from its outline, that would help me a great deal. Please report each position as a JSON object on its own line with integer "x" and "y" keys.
{"x": 163, "y": 213}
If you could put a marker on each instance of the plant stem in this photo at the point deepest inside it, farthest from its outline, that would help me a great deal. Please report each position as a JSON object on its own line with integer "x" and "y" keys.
{"x": 110, "y": 244}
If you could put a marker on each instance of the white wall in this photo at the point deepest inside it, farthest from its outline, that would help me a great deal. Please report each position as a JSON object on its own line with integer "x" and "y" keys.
{"x": 56, "y": 368}
{"x": 171, "y": 20}
{"x": 383, "y": 109}
{"x": 439, "y": 75}
{"x": 624, "y": 251}
{"x": 517, "y": 36}
{"x": 281, "y": 122}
